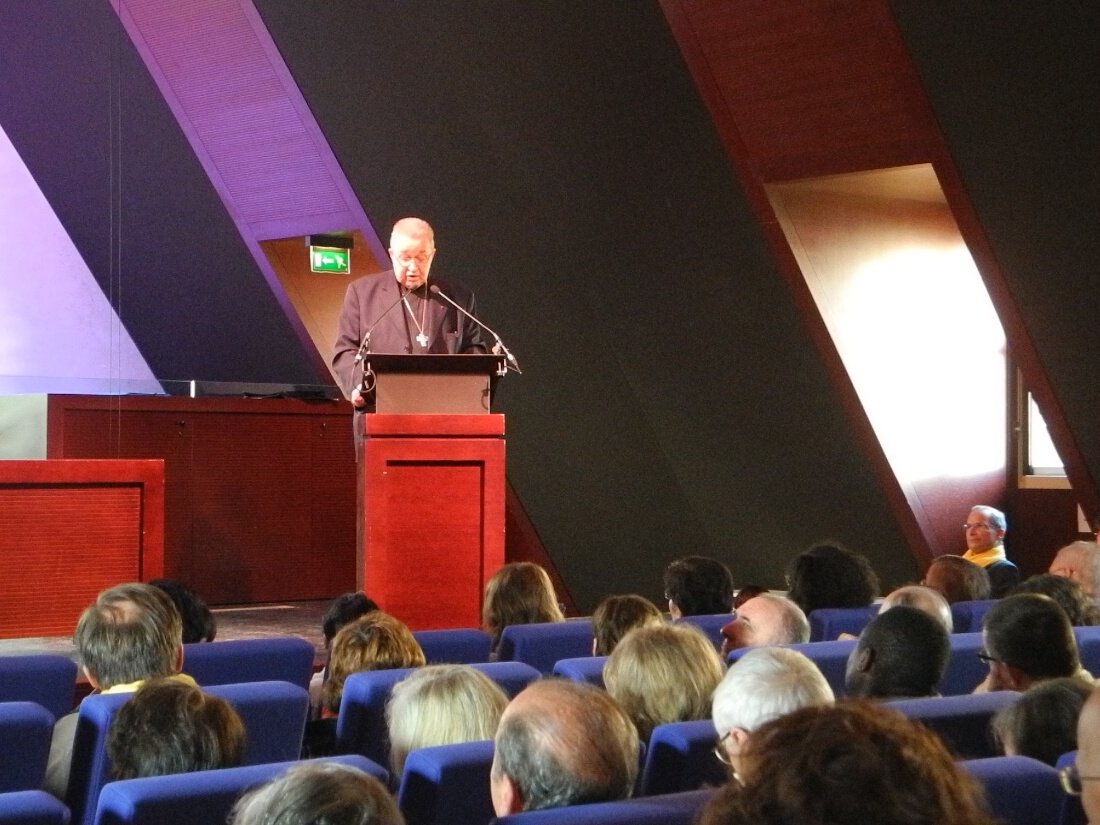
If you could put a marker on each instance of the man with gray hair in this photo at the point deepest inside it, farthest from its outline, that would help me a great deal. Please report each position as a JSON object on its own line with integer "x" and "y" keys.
{"x": 763, "y": 620}
{"x": 133, "y": 632}
{"x": 1079, "y": 561}
{"x": 562, "y": 743}
{"x": 923, "y": 598}
{"x": 762, "y": 685}
{"x": 985, "y": 532}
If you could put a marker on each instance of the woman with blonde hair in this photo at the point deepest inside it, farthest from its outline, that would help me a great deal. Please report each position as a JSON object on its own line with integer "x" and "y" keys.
{"x": 663, "y": 673}
{"x": 376, "y": 641}
{"x": 441, "y": 705}
{"x": 518, "y": 593}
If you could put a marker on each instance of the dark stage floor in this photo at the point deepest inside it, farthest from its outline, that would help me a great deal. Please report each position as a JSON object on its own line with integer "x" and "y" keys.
{"x": 252, "y": 622}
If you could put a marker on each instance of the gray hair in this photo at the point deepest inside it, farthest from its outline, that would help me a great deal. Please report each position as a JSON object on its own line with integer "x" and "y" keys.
{"x": 796, "y": 627}
{"x": 923, "y": 598}
{"x": 992, "y": 515}
{"x": 764, "y": 684}
{"x": 324, "y": 793}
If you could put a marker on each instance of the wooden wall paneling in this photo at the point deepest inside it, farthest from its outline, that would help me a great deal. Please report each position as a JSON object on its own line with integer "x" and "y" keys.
{"x": 69, "y": 529}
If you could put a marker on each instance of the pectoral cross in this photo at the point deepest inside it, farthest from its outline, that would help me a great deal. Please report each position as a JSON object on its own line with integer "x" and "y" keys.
{"x": 423, "y": 339}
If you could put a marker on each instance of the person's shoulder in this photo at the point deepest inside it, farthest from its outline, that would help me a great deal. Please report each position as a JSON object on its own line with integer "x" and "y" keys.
{"x": 376, "y": 280}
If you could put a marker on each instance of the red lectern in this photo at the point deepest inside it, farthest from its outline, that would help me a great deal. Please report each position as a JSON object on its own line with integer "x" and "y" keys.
{"x": 432, "y": 490}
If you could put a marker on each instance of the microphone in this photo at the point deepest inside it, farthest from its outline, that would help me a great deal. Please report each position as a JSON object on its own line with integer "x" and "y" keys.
{"x": 435, "y": 290}
{"x": 365, "y": 346}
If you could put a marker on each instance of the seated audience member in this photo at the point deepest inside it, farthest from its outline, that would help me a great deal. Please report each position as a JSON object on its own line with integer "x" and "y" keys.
{"x": 766, "y": 619}
{"x": 828, "y": 575}
{"x": 615, "y": 615}
{"x": 1042, "y": 723}
{"x": 199, "y": 624}
{"x": 376, "y": 641}
{"x": 1087, "y": 763}
{"x": 318, "y": 794}
{"x": 698, "y": 586}
{"x": 901, "y": 653}
{"x": 441, "y": 705}
{"x": 923, "y": 598}
{"x": 170, "y": 727}
{"x": 518, "y": 593}
{"x": 344, "y": 609}
{"x": 664, "y": 673}
{"x": 1081, "y": 610}
{"x": 562, "y": 743}
{"x": 133, "y": 632}
{"x": 1079, "y": 561}
{"x": 985, "y": 531}
{"x": 762, "y": 685}
{"x": 1028, "y": 639}
{"x": 957, "y": 579}
{"x": 854, "y": 762}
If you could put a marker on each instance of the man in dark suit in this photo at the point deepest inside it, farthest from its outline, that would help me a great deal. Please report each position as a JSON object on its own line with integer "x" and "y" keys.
{"x": 400, "y": 313}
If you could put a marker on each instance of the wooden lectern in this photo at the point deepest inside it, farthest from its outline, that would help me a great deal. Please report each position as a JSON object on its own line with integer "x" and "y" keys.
{"x": 431, "y": 526}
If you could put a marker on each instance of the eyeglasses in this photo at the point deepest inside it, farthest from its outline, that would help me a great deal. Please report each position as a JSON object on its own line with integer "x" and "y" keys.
{"x": 1071, "y": 780}
{"x": 985, "y": 657}
{"x": 978, "y": 525}
{"x": 720, "y": 750}
{"x": 421, "y": 259}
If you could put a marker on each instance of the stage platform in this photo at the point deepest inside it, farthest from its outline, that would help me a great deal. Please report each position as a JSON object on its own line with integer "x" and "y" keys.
{"x": 248, "y": 622}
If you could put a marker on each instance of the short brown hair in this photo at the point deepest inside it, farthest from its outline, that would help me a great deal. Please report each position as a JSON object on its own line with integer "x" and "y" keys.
{"x": 851, "y": 762}
{"x": 518, "y": 593}
{"x": 376, "y": 641}
{"x": 616, "y": 615}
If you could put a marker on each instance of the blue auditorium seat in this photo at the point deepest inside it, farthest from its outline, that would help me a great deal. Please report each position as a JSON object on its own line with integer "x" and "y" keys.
{"x": 965, "y": 671}
{"x": 827, "y": 623}
{"x": 454, "y": 646}
{"x": 680, "y": 757}
{"x": 962, "y": 722}
{"x": 583, "y": 669}
{"x": 710, "y": 624}
{"x": 90, "y": 765}
{"x": 26, "y": 729}
{"x": 361, "y": 723}
{"x": 200, "y": 798}
{"x": 46, "y": 679}
{"x": 1020, "y": 790}
{"x": 447, "y": 785}
{"x": 967, "y": 616}
{"x": 32, "y": 808}
{"x": 282, "y": 659}
{"x": 668, "y": 809}
{"x": 543, "y": 645}
{"x": 274, "y": 716}
{"x": 1088, "y": 647}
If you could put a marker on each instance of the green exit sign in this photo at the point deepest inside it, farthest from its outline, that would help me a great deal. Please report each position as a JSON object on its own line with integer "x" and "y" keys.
{"x": 323, "y": 259}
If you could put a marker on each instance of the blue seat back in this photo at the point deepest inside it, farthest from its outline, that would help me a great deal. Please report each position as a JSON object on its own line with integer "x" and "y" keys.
{"x": 32, "y": 808}
{"x": 584, "y": 669}
{"x": 965, "y": 671}
{"x": 966, "y": 617}
{"x": 454, "y": 646}
{"x": 1088, "y": 647}
{"x": 288, "y": 659}
{"x": 1020, "y": 790}
{"x": 274, "y": 716}
{"x": 1073, "y": 813}
{"x": 710, "y": 624}
{"x": 47, "y": 679}
{"x": 201, "y": 798}
{"x": 90, "y": 765}
{"x": 827, "y": 623}
{"x": 361, "y": 723}
{"x": 25, "y": 732}
{"x": 680, "y": 757}
{"x": 543, "y": 645}
{"x": 962, "y": 722}
{"x": 831, "y": 659}
{"x": 447, "y": 785}
{"x": 668, "y": 809}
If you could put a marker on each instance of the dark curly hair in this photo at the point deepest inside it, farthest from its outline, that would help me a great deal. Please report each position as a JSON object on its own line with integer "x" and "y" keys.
{"x": 831, "y": 575}
{"x": 699, "y": 586}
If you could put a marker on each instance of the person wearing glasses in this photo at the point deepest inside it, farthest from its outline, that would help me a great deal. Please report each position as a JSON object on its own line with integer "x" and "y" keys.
{"x": 1082, "y": 778}
{"x": 401, "y": 314}
{"x": 1027, "y": 639}
{"x": 985, "y": 531}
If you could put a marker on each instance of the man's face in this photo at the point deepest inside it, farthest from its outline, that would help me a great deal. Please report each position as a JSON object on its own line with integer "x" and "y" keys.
{"x": 758, "y": 622}
{"x": 980, "y": 533}
{"x": 1088, "y": 755}
{"x": 411, "y": 256}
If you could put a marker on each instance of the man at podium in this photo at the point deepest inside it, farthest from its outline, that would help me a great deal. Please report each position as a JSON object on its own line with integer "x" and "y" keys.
{"x": 397, "y": 312}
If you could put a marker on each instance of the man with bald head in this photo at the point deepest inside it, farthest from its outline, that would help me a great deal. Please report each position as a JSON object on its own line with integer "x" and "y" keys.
{"x": 562, "y": 743}
{"x": 765, "y": 620}
{"x": 1079, "y": 561}
{"x": 400, "y": 314}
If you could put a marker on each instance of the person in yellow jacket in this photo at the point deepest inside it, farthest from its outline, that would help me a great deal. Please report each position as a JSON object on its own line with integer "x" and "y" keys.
{"x": 985, "y": 532}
